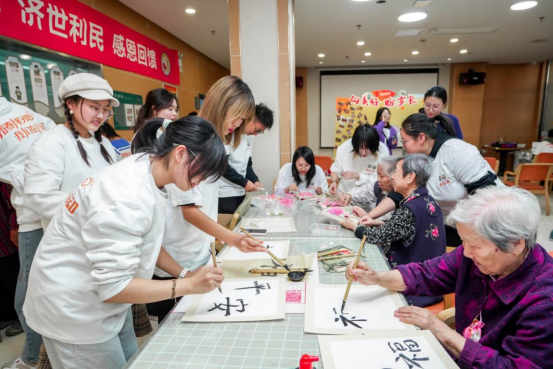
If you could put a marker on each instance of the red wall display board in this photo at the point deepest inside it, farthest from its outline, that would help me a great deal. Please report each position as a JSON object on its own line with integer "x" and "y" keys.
{"x": 76, "y": 29}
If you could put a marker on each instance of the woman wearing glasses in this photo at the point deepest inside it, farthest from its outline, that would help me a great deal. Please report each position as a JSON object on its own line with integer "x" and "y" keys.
{"x": 63, "y": 158}
{"x": 435, "y": 100}
{"x": 301, "y": 174}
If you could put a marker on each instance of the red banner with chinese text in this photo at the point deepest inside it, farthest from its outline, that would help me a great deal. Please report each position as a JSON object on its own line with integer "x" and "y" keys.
{"x": 76, "y": 29}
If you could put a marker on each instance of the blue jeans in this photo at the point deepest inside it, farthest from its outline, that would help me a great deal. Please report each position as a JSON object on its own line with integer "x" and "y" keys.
{"x": 28, "y": 244}
{"x": 112, "y": 354}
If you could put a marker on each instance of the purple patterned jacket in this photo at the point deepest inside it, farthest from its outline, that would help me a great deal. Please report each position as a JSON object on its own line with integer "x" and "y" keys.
{"x": 518, "y": 311}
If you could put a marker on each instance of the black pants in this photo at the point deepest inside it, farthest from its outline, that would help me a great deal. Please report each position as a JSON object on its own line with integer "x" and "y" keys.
{"x": 9, "y": 270}
{"x": 161, "y": 308}
{"x": 452, "y": 237}
{"x": 228, "y": 205}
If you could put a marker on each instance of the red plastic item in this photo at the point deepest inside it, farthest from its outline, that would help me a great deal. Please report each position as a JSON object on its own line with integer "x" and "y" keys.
{"x": 306, "y": 361}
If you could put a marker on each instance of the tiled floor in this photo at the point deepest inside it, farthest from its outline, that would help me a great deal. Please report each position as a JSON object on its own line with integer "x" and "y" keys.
{"x": 10, "y": 348}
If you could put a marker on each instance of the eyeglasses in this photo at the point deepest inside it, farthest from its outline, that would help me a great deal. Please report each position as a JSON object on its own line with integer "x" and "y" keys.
{"x": 100, "y": 113}
{"x": 404, "y": 141}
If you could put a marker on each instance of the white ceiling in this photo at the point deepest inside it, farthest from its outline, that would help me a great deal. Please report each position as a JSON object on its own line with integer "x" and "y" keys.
{"x": 329, "y": 27}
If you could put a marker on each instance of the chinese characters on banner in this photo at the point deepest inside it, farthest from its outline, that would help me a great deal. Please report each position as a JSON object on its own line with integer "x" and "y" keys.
{"x": 76, "y": 29}
{"x": 356, "y": 110}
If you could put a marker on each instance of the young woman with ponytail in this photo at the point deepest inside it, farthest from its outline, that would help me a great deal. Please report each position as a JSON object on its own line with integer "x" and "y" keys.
{"x": 99, "y": 253}
{"x": 160, "y": 103}
{"x": 191, "y": 221}
{"x": 459, "y": 168}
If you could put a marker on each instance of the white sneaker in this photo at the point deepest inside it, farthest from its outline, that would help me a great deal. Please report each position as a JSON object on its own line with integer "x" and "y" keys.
{"x": 17, "y": 364}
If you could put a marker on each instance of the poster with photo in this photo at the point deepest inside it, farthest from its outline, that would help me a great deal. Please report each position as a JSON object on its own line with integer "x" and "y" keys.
{"x": 38, "y": 86}
{"x": 16, "y": 81}
{"x": 129, "y": 115}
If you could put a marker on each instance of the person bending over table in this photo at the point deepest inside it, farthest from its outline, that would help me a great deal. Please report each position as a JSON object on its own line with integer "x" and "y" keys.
{"x": 502, "y": 279}
{"x": 356, "y": 159}
{"x": 301, "y": 174}
{"x": 415, "y": 232}
{"x": 373, "y": 193}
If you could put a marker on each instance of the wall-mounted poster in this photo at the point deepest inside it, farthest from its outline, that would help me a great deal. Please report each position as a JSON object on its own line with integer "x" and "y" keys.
{"x": 56, "y": 78}
{"x": 38, "y": 86}
{"x": 125, "y": 114}
{"x": 16, "y": 81}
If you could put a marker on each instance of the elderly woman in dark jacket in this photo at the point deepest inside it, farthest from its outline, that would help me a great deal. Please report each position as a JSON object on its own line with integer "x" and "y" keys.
{"x": 416, "y": 231}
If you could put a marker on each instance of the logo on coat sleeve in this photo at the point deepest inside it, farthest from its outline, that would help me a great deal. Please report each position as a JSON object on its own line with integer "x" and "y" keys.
{"x": 443, "y": 181}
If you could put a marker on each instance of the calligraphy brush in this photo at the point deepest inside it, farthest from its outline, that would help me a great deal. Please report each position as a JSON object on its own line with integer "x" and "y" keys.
{"x": 212, "y": 246}
{"x": 282, "y": 264}
{"x": 351, "y": 276}
{"x": 338, "y": 257}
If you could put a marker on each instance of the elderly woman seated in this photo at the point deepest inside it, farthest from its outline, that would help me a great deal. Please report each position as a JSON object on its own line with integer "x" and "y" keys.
{"x": 371, "y": 194}
{"x": 415, "y": 232}
{"x": 502, "y": 279}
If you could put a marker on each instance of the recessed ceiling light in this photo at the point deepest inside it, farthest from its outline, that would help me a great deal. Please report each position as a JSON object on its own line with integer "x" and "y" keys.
{"x": 320, "y": 62}
{"x": 464, "y": 51}
{"x": 368, "y": 54}
{"x": 405, "y": 60}
{"x": 362, "y": 61}
{"x": 454, "y": 40}
{"x": 360, "y": 1}
{"x": 415, "y": 52}
{"x": 321, "y": 55}
{"x": 25, "y": 56}
{"x": 448, "y": 59}
{"x": 360, "y": 43}
{"x": 190, "y": 11}
{"x": 523, "y": 5}
{"x": 412, "y": 17}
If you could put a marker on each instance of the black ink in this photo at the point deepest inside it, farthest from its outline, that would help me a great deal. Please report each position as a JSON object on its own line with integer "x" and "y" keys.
{"x": 346, "y": 321}
{"x": 411, "y": 346}
{"x": 226, "y": 307}
{"x": 411, "y": 363}
{"x": 258, "y": 287}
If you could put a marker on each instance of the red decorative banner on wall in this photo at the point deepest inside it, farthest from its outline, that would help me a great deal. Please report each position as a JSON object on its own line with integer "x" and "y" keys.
{"x": 76, "y": 29}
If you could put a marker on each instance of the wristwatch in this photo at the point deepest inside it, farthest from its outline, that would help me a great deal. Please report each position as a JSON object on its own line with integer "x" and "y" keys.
{"x": 183, "y": 273}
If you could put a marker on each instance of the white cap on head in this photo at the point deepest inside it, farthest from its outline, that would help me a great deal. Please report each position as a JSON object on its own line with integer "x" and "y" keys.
{"x": 88, "y": 86}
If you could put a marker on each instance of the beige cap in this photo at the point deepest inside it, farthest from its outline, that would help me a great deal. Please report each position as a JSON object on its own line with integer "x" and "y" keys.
{"x": 88, "y": 86}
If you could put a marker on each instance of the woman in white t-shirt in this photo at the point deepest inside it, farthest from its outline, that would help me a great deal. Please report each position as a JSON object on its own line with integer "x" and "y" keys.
{"x": 301, "y": 174}
{"x": 99, "y": 253}
{"x": 192, "y": 217}
{"x": 357, "y": 159}
{"x": 459, "y": 168}
{"x": 58, "y": 162}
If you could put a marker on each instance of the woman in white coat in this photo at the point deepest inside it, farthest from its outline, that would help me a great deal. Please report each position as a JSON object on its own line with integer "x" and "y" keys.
{"x": 99, "y": 253}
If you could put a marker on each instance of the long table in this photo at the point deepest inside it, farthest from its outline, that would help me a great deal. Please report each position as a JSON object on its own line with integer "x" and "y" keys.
{"x": 268, "y": 344}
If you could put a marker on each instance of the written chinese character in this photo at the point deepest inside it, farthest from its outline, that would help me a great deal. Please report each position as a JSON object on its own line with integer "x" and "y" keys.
{"x": 389, "y": 102}
{"x": 364, "y": 100}
{"x": 374, "y": 101}
{"x": 131, "y": 50}
{"x": 400, "y": 101}
{"x": 412, "y": 100}
{"x": 119, "y": 45}
{"x": 29, "y": 12}
{"x": 408, "y": 346}
{"x": 346, "y": 321}
{"x": 96, "y": 34}
{"x": 78, "y": 28}
{"x": 152, "y": 63}
{"x": 354, "y": 100}
{"x": 57, "y": 20}
{"x": 70, "y": 204}
{"x": 142, "y": 55}
{"x": 226, "y": 307}
{"x": 258, "y": 287}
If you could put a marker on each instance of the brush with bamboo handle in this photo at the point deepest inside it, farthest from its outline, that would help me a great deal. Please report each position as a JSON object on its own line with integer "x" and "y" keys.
{"x": 338, "y": 257}
{"x": 282, "y": 263}
{"x": 354, "y": 266}
{"x": 212, "y": 247}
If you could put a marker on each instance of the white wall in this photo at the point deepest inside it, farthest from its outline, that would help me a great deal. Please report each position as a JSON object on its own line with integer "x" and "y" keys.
{"x": 259, "y": 59}
{"x": 314, "y": 106}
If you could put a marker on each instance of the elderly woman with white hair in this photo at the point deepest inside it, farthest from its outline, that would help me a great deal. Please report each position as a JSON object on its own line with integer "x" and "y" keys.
{"x": 371, "y": 194}
{"x": 416, "y": 231}
{"x": 502, "y": 279}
